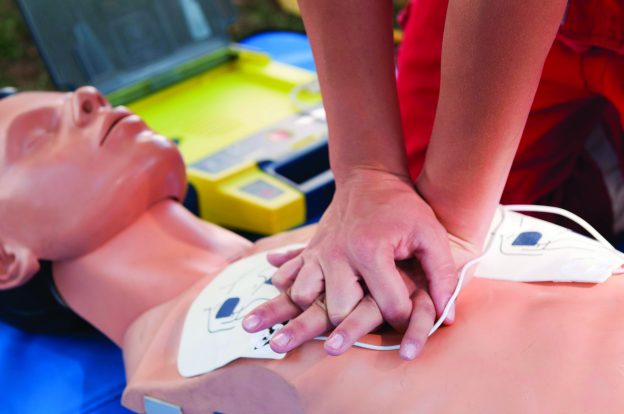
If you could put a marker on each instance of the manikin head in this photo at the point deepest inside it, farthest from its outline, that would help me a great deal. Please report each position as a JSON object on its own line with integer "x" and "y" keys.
{"x": 74, "y": 172}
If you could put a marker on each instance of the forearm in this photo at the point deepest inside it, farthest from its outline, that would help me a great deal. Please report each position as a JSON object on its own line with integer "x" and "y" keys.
{"x": 492, "y": 57}
{"x": 353, "y": 50}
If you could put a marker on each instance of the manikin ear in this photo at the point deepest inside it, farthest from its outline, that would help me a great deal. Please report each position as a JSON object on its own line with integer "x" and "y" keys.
{"x": 17, "y": 265}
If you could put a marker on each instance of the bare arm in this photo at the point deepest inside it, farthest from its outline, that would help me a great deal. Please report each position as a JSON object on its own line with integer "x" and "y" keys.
{"x": 376, "y": 216}
{"x": 353, "y": 50}
{"x": 492, "y": 57}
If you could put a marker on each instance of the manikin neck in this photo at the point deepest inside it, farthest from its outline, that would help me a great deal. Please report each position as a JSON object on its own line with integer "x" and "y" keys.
{"x": 152, "y": 261}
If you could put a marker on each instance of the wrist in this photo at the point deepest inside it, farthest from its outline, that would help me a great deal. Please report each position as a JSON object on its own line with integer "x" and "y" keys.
{"x": 465, "y": 215}
{"x": 365, "y": 174}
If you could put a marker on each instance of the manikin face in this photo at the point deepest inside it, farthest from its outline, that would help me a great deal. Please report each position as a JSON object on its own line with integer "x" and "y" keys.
{"x": 74, "y": 172}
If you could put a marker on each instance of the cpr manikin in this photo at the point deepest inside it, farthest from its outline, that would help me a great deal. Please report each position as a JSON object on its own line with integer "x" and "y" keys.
{"x": 95, "y": 191}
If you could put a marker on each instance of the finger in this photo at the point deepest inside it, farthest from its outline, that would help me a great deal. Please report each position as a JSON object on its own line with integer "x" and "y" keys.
{"x": 421, "y": 322}
{"x": 386, "y": 286}
{"x": 308, "y": 285}
{"x": 286, "y": 274}
{"x": 311, "y": 323}
{"x": 277, "y": 259}
{"x": 342, "y": 290}
{"x": 439, "y": 267}
{"x": 276, "y": 310}
{"x": 365, "y": 318}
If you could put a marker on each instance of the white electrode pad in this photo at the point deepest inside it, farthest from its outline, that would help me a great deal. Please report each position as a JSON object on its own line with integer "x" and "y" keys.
{"x": 213, "y": 334}
{"x": 526, "y": 249}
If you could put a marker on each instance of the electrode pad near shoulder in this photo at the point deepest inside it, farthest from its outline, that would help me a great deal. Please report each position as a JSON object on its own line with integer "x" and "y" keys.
{"x": 526, "y": 249}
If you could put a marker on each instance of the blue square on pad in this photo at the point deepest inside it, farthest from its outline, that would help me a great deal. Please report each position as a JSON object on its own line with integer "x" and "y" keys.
{"x": 527, "y": 238}
{"x": 228, "y": 307}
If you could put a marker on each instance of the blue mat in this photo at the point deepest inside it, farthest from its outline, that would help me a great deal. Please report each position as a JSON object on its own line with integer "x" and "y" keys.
{"x": 70, "y": 374}
{"x": 286, "y": 47}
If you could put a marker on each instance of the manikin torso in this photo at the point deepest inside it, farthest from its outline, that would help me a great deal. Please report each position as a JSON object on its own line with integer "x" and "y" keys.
{"x": 515, "y": 348}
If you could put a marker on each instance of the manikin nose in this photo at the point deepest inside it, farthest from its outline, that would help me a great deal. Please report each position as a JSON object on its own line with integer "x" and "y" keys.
{"x": 87, "y": 104}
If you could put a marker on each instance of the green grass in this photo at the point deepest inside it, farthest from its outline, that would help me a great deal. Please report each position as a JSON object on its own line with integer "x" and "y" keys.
{"x": 260, "y": 15}
{"x": 20, "y": 64}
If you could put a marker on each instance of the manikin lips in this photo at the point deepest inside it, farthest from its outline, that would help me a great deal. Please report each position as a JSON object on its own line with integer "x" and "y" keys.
{"x": 119, "y": 116}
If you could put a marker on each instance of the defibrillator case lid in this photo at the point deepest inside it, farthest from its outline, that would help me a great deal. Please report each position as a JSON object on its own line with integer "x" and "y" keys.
{"x": 131, "y": 45}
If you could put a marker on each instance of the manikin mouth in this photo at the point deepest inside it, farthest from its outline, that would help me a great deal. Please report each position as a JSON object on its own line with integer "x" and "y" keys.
{"x": 120, "y": 117}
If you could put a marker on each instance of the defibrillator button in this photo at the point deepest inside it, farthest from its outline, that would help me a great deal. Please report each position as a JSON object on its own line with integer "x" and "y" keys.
{"x": 280, "y": 135}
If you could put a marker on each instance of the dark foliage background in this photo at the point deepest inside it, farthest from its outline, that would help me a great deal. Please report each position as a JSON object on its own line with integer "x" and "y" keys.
{"x": 20, "y": 65}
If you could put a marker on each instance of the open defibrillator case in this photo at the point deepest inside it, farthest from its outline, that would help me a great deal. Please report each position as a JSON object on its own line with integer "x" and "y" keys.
{"x": 253, "y": 140}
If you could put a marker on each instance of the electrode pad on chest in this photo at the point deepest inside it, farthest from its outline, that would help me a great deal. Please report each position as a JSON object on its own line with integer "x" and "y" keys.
{"x": 526, "y": 249}
{"x": 213, "y": 334}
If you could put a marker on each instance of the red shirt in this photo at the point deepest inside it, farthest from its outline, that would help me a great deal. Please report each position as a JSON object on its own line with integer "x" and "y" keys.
{"x": 593, "y": 23}
{"x": 586, "y": 24}
{"x": 580, "y": 83}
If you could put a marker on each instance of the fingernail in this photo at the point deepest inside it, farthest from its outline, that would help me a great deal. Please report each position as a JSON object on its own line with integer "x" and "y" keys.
{"x": 408, "y": 351}
{"x": 281, "y": 339}
{"x": 335, "y": 342}
{"x": 251, "y": 322}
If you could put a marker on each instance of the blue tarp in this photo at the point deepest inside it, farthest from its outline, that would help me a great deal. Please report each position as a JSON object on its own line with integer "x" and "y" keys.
{"x": 286, "y": 47}
{"x": 68, "y": 374}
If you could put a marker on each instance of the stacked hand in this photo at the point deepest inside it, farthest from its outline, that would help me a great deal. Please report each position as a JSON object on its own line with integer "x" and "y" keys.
{"x": 347, "y": 277}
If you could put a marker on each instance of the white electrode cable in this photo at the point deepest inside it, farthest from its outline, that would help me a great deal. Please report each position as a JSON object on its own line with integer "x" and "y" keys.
{"x": 464, "y": 270}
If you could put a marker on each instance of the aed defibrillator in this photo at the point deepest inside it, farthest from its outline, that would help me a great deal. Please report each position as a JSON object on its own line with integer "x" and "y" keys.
{"x": 253, "y": 137}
